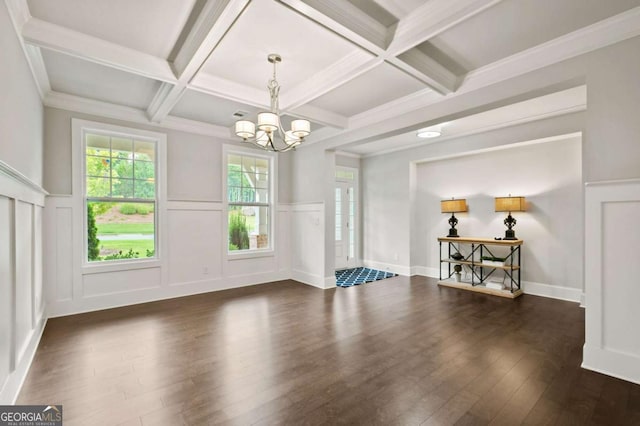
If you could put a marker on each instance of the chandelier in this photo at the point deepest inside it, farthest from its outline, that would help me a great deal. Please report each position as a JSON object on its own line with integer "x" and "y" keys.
{"x": 270, "y": 135}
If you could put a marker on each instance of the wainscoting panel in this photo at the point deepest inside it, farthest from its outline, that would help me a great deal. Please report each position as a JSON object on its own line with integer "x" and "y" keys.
{"x": 22, "y": 312}
{"x": 612, "y": 343}
{"x": 307, "y": 243}
{"x": 106, "y": 283}
{"x": 194, "y": 245}
{"x": 192, "y": 259}
{"x": 23, "y": 278}
{"x": 64, "y": 252}
{"x": 6, "y": 288}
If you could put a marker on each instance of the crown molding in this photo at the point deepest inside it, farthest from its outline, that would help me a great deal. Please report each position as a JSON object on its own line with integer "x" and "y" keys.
{"x": 19, "y": 14}
{"x": 74, "y": 43}
{"x": 593, "y": 37}
{"x": 132, "y": 115}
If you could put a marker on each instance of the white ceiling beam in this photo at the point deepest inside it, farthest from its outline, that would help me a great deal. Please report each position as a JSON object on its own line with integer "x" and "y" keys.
{"x": 215, "y": 19}
{"x": 337, "y": 74}
{"x": 339, "y": 16}
{"x": 346, "y": 20}
{"x": 61, "y": 39}
{"x": 431, "y": 19}
{"x": 397, "y": 8}
{"x": 427, "y": 70}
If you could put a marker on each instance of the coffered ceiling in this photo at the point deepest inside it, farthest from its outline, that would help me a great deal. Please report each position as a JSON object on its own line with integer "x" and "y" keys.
{"x": 192, "y": 64}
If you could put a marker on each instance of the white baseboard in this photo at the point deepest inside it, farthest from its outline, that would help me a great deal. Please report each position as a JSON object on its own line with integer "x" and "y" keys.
{"x": 390, "y": 267}
{"x": 11, "y": 390}
{"x": 583, "y": 300}
{"x": 616, "y": 364}
{"x": 307, "y": 278}
{"x": 116, "y": 300}
{"x": 330, "y": 282}
{"x": 425, "y": 271}
{"x": 552, "y": 291}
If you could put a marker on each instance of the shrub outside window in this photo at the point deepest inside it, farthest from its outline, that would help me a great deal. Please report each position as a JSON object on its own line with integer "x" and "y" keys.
{"x": 249, "y": 202}
{"x": 120, "y": 196}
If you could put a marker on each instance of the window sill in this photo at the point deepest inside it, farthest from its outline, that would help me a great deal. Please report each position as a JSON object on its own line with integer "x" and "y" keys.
{"x": 102, "y": 267}
{"x": 251, "y": 254}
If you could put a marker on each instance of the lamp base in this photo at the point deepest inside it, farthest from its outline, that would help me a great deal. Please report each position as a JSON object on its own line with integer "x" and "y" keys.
{"x": 453, "y": 232}
{"x": 509, "y": 234}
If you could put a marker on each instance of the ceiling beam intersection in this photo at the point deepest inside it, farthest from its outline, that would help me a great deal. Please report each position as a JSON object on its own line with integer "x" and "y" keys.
{"x": 215, "y": 19}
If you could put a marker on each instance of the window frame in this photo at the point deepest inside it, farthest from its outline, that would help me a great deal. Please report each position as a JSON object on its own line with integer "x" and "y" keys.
{"x": 80, "y": 128}
{"x": 273, "y": 167}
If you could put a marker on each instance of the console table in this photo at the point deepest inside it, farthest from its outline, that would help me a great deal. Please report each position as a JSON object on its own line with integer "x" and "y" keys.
{"x": 469, "y": 252}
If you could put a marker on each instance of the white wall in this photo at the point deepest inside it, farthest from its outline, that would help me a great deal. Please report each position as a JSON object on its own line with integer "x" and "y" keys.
{"x": 548, "y": 174}
{"x": 22, "y": 309}
{"x": 193, "y": 257}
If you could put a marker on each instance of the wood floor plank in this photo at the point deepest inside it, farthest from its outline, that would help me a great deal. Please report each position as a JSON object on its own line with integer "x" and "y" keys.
{"x": 401, "y": 351}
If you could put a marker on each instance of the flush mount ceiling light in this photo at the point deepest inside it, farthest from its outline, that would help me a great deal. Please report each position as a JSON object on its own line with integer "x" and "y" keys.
{"x": 270, "y": 135}
{"x": 430, "y": 132}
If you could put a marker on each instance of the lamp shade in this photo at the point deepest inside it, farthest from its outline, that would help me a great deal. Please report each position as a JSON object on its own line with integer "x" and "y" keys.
{"x": 268, "y": 121}
{"x": 245, "y": 129}
{"x": 453, "y": 206}
{"x": 300, "y": 128}
{"x": 510, "y": 204}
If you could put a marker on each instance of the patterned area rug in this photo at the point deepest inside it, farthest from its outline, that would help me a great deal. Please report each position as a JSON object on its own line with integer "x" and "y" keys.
{"x": 356, "y": 276}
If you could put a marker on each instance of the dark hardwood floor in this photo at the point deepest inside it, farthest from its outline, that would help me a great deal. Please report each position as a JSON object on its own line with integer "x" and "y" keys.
{"x": 399, "y": 351}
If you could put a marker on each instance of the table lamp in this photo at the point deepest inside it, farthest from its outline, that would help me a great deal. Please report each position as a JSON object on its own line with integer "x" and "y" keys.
{"x": 510, "y": 204}
{"x": 453, "y": 206}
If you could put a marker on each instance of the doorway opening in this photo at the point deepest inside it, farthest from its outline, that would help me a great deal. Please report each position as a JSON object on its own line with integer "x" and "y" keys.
{"x": 346, "y": 208}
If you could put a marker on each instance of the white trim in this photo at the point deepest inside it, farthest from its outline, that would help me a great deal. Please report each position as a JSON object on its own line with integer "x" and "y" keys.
{"x": 78, "y": 130}
{"x": 597, "y": 355}
{"x": 389, "y": 267}
{"x": 425, "y": 271}
{"x": 154, "y": 294}
{"x": 16, "y": 176}
{"x": 552, "y": 291}
{"x": 273, "y": 202}
{"x": 612, "y": 363}
{"x": 309, "y": 279}
{"x": 583, "y": 300}
{"x": 20, "y": 14}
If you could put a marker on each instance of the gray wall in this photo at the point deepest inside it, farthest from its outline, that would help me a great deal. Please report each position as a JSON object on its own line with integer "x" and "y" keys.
{"x": 20, "y": 108}
{"x": 549, "y": 175}
{"x": 612, "y": 137}
{"x": 194, "y": 162}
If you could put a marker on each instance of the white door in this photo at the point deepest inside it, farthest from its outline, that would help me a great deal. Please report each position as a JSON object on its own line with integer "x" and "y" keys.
{"x": 345, "y": 225}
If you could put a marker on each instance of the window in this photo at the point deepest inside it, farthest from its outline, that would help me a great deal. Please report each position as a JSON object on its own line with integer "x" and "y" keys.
{"x": 249, "y": 202}
{"x": 120, "y": 196}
